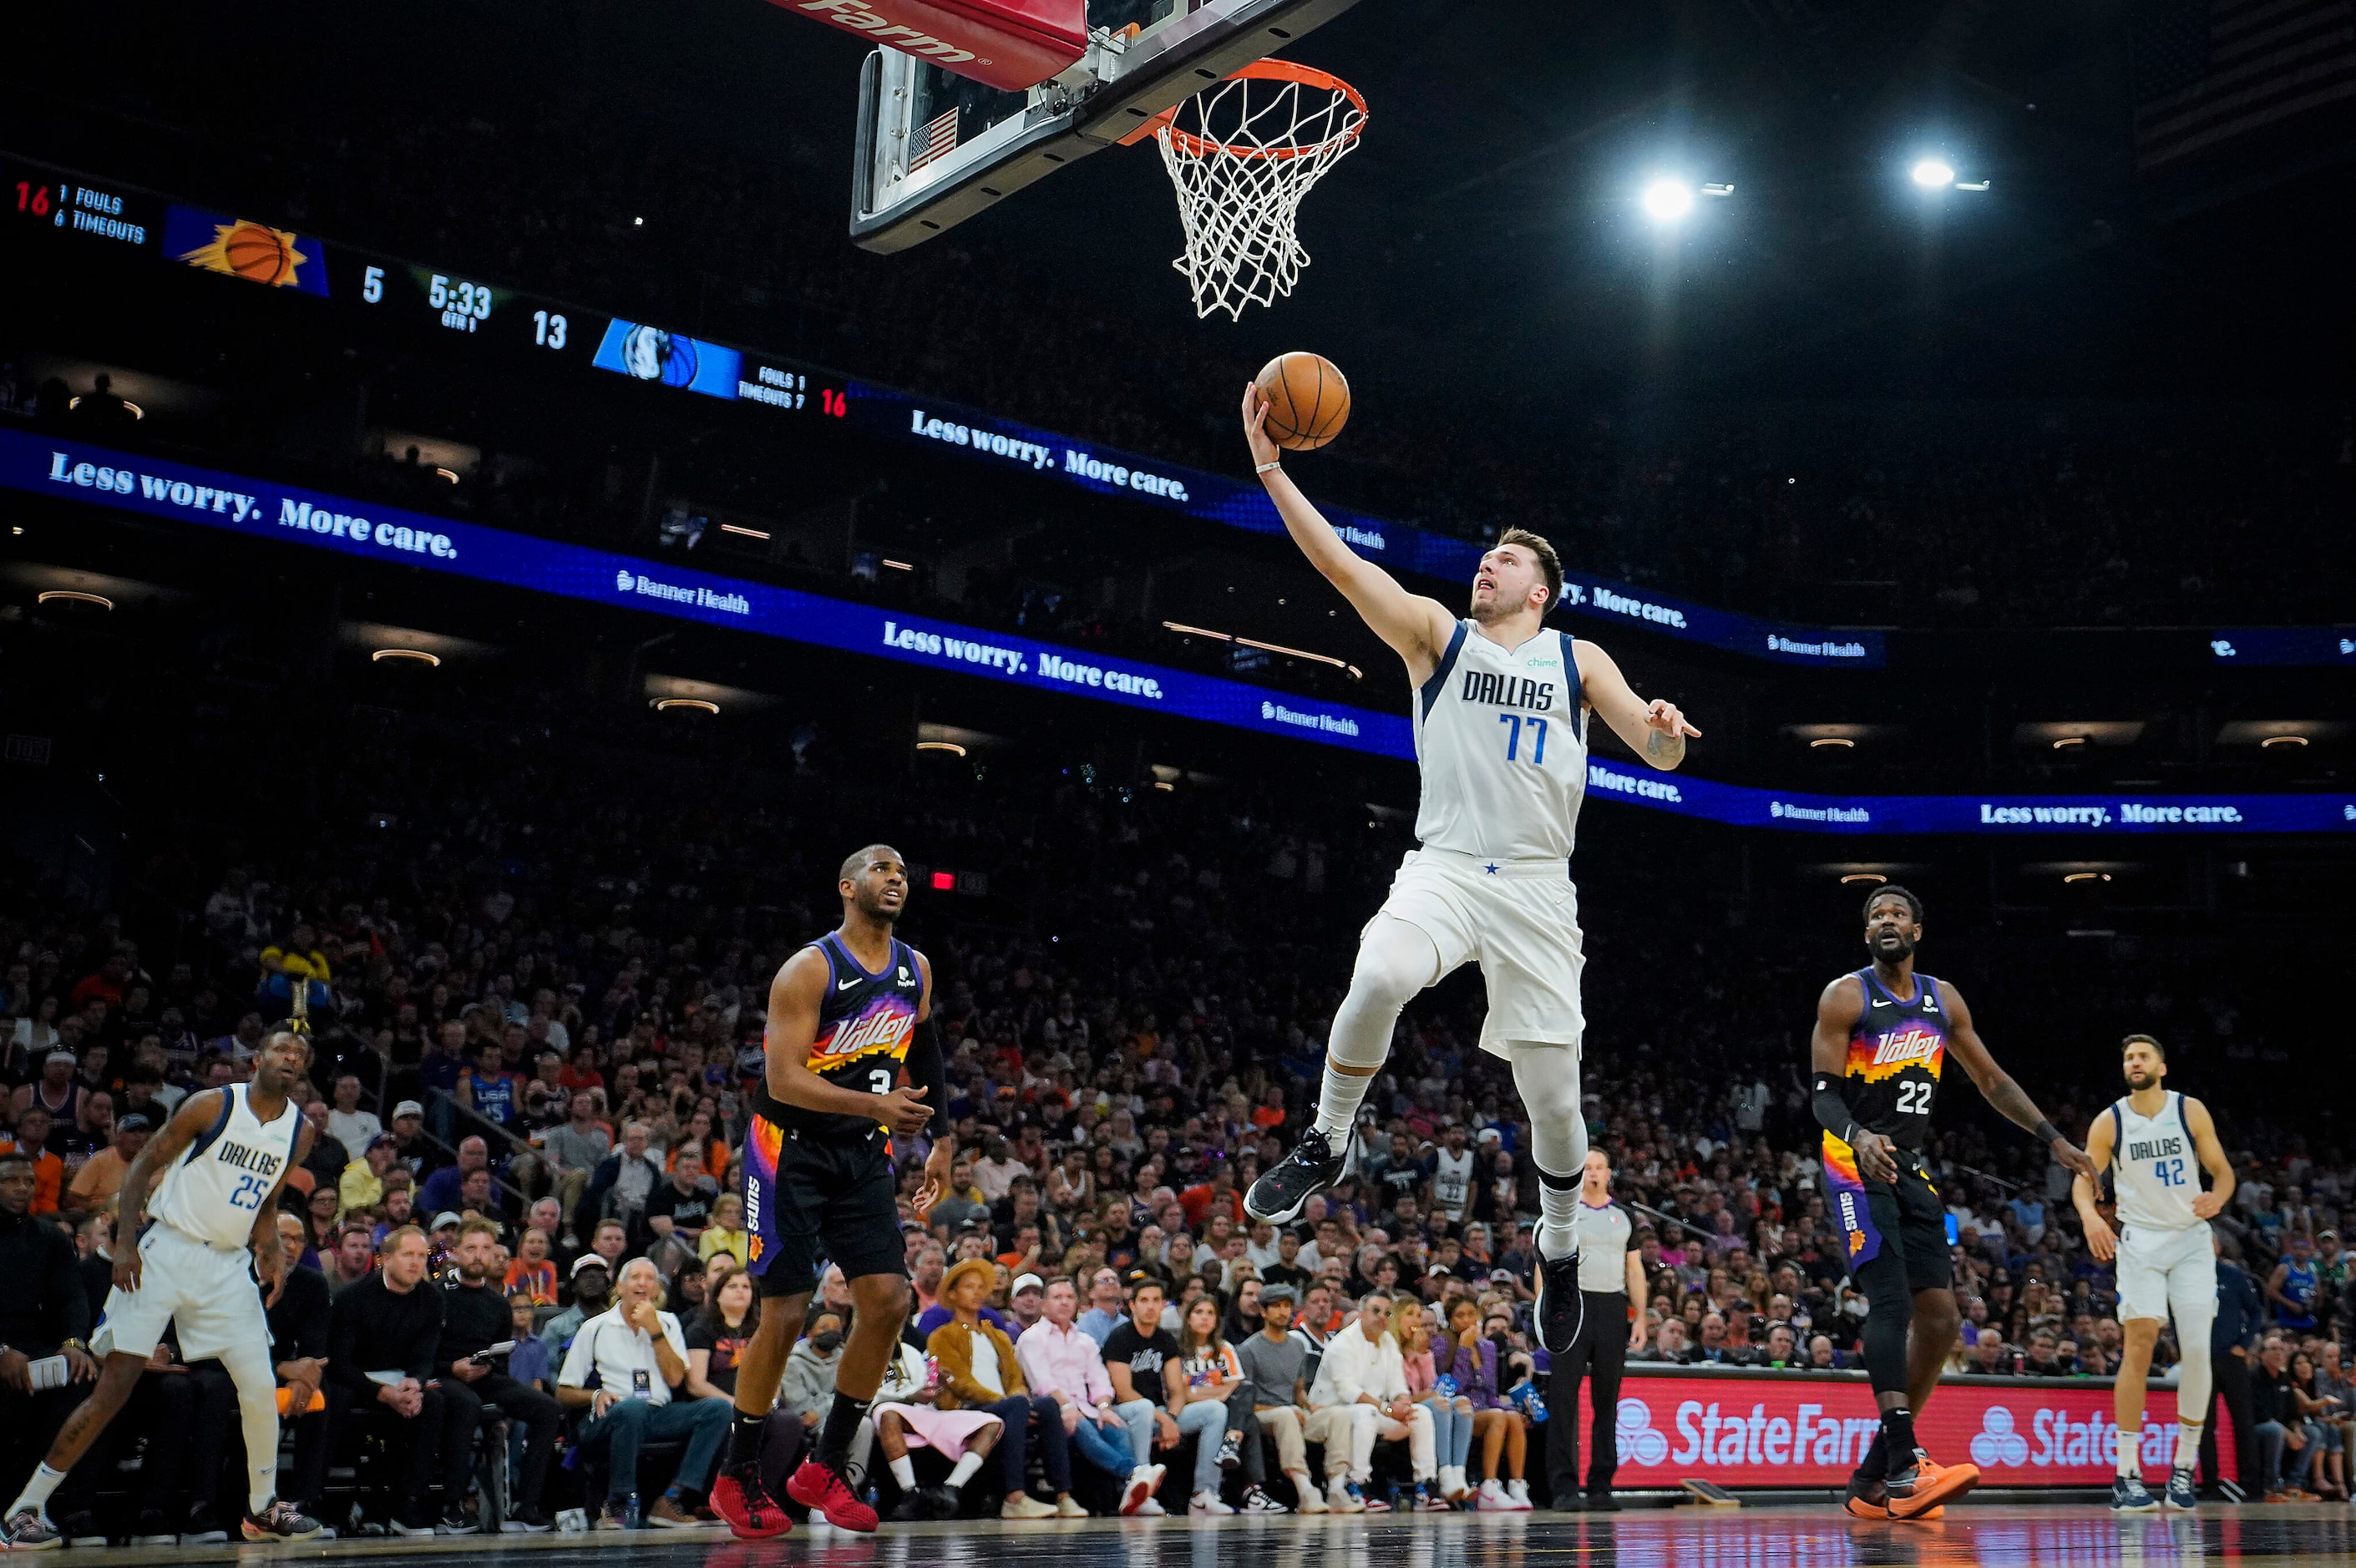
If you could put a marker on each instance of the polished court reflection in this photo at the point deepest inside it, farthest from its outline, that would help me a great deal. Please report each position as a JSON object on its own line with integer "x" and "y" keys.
{"x": 1811, "y": 1537}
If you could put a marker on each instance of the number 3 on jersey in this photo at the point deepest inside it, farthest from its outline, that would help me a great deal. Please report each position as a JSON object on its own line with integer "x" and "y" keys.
{"x": 879, "y": 1080}
{"x": 1538, "y": 727}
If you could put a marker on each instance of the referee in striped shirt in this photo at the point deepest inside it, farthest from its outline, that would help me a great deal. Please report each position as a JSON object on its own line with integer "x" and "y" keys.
{"x": 1611, "y": 1281}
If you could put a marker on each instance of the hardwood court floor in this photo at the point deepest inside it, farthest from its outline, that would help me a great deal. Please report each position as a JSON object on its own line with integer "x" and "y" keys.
{"x": 2002, "y": 1536}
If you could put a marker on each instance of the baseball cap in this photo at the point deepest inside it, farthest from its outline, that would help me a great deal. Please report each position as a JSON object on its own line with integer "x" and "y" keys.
{"x": 1023, "y": 1282}
{"x": 1501, "y": 1276}
{"x": 589, "y": 1260}
{"x": 383, "y": 1140}
{"x": 133, "y": 1123}
{"x": 444, "y": 1218}
{"x": 1488, "y": 1136}
{"x": 408, "y": 1108}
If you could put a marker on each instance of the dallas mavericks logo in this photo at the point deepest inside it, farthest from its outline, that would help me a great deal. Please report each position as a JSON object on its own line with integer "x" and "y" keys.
{"x": 1998, "y": 1443}
{"x": 1632, "y": 1425}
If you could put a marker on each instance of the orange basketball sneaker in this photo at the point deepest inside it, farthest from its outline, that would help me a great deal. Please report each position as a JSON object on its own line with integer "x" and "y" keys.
{"x": 1926, "y": 1484}
{"x": 1873, "y": 1503}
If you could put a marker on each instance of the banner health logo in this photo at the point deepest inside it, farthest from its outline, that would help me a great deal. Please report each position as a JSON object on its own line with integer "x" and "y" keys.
{"x": 1998, "y": 1443}
{"x": 1632, "y": 1421}
{"x": 622, "y": 581}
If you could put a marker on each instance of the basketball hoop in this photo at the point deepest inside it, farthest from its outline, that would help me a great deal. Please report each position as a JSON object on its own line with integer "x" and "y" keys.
{"x": 1242, "y": 155}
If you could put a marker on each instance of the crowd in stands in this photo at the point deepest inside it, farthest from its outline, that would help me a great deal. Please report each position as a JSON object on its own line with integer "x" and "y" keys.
{"x": 536, "y": 992}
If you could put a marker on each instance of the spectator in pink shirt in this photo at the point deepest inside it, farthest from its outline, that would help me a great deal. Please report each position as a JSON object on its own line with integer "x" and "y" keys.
{"x": 1059, "y": 1360}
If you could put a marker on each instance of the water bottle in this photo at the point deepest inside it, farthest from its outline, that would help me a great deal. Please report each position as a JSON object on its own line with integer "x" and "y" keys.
{"x": 1444, "y": 1385}
{"x": 632, "y": 1514}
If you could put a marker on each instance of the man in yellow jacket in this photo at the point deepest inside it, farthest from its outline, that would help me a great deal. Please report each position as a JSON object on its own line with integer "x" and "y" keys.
{"x": 978, "y": 1372}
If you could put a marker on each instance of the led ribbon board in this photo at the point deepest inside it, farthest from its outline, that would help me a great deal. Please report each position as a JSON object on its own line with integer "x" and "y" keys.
{"x": 78, "y": 471}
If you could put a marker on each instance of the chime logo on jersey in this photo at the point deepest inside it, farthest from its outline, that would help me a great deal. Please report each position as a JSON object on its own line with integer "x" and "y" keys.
{"x": 884, "y": 1029}
{"x": 1899, "y": 1048}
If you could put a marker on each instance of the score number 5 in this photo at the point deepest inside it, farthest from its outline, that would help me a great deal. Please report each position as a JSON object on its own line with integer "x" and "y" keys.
{"x": 1538, "y": 727}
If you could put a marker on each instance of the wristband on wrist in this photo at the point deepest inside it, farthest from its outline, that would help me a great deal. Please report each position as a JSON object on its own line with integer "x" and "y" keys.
{"x": 1273, "y": 462}
{"x": 2048, "y": 1133}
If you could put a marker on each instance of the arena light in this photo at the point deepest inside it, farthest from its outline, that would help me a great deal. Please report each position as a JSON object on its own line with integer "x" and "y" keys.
{"x": 1667, "y": 200}
{"x": 2067, "y": 741}
{"x": 2087, "y": 877}
{"x": 410, "y": 656}
{"x": 72, "y": 596}
{"x": 448, "y": 476}
{"x": 694, "y": 704}
{"x": 951, "y": 747}
{"x": 1165, "y": 785}
{"x": 1932, "y": 174}
{"x": 899, "y": 566}
{"x": 747, "y": 533}
{"x": 1821, "y": 742}
{"x": 1863, "y": 877}
{"x": 2271, "y": 742}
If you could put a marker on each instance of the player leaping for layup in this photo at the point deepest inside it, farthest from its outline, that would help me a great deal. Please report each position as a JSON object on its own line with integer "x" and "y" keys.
{"x": 1499, "y": 709}
{"x": 1882, "y": 1037}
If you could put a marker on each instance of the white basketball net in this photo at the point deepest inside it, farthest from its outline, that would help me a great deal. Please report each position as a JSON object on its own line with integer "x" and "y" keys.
{"x": 1242, "y": 155}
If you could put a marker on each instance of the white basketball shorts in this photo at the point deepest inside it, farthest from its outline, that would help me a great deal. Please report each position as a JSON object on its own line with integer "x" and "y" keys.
{"x": 2164, "y": 1270}
{"x": 1518, "y": 920}
{"x": 212, "y": 1295}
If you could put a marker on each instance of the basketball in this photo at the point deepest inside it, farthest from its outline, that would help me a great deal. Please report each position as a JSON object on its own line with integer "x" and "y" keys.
{"x": 1308, "y": 400}
{"x": 258, "y": 252}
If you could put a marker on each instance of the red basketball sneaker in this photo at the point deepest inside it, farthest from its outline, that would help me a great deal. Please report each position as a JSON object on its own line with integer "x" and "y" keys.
{"x": 741, "y": 1497}
{"x": 823, "y": 1487}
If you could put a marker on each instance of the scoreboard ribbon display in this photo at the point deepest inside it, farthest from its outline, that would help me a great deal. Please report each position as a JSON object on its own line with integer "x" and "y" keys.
{"x": 78, "y": 471}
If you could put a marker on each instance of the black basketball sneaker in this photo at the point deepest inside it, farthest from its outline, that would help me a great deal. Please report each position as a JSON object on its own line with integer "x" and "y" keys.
{"x": 1561, "y": 1309}
{"x": 1278, "y": 1196}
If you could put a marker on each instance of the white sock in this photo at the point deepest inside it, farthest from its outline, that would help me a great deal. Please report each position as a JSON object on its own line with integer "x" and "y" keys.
{"x": 1338, "y": 1101}
{"x": 35, "y": 1494}
{"x": 2188, "y": 1444}
{"x": 966, "y": 1468}
{"x": 2130, "y": 1451}
{"x": 1557, "y": 1206}
{"x": 905, "y": 1473}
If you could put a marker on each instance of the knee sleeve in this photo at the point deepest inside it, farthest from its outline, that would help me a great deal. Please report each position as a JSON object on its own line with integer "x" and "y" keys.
{"x": 2195, "y": 1377}
{"x": 1396, "y": 960}
{"x": 257, "y": 1407}
{"x": 1547, "y": 1076}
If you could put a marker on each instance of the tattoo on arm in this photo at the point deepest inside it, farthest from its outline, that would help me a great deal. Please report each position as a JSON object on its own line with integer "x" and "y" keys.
{"x": 1664, "y": 751}
{"x": 2013, "y": 1104}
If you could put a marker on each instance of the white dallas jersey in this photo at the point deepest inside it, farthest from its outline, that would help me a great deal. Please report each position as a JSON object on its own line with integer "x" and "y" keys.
{"x": 213, "y": 1191}
{"x": 1452, "y": 1181}
{"x": 1502, "y": 747}
{"x": 2153, "y": 1170}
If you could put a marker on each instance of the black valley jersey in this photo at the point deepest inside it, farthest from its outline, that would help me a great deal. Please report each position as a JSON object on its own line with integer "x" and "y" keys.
{"x": 864, "y": 1023}
{"x": 1895, "y": 1054}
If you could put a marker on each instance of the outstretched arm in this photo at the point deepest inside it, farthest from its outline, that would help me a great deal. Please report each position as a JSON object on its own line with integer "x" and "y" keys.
{"x": 1413, "y": 628}
{"x": 2010, "y": 1100}
{"x": 1655, "y": 730}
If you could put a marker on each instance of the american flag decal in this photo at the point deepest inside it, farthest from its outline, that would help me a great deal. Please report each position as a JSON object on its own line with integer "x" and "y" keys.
{"x": 936, "y": 139}
{"x": 2211, "y": 70}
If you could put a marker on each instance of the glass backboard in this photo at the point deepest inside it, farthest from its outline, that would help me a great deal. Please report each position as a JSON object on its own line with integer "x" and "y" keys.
{"x": 934, "y": 148}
